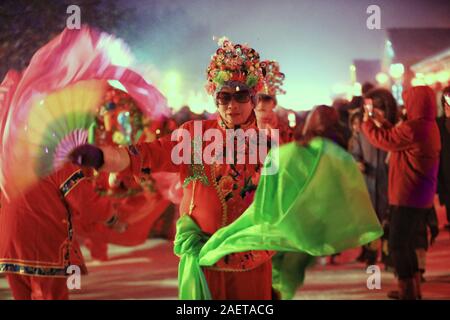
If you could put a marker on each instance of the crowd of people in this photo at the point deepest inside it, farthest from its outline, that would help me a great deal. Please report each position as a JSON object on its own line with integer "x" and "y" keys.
{"x": 402, "y": 161}
{"x": 417, "y": 160}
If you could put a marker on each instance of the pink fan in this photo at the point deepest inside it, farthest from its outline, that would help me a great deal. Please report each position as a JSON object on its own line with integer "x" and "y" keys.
{"x": 55, "y": 102}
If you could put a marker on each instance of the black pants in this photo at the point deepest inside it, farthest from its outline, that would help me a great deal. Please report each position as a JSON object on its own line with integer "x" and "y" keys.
{"x": 404, "y": 227}
{"x": 447, "y": 210}
{"x": 444, "y": 199}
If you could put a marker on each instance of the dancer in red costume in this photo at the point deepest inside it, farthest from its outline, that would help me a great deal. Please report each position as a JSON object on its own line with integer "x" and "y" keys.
{"x": 215, "y": 194}
{"x": 119, "y": 122}
{"x": 37, "y": 241}
{"x": 36, "y": 233}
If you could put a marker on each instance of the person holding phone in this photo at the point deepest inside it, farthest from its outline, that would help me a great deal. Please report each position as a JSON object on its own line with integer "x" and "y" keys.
{"x": 413, "y": 166}
{"x": 380, "y": 106}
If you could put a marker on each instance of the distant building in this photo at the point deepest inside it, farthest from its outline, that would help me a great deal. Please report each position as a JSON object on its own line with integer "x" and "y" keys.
{"x": 409, "y": 46}
{"x": 433, "y": 70}
{"x": 405, "y": 47}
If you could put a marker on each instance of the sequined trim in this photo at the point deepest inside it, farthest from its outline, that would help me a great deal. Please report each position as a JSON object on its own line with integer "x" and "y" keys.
{"x": 197, "y": 169}
{"x": 133, "y": 150}
{"x": 223, "y": 202}
{"x": 71, "y": 182}
{"x": 23, "y": 269}
{"x": 66, "y": 187}
{"x": 197, "y": 173}
{"x": 232, "y": 270}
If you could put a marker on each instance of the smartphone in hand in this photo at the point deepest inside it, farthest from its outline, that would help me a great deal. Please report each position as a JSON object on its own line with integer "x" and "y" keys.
{"x": 447, "y": 99}
{"x": 368, "y": 106}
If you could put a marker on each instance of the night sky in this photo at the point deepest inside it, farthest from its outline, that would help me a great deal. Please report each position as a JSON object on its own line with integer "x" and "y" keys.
{"x": 314, "y": 41}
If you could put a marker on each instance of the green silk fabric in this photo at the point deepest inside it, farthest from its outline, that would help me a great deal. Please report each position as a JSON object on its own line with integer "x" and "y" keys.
{"x": 316, "y": 204}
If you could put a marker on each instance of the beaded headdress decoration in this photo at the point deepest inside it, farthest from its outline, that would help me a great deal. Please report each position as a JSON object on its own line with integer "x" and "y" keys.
{"x": 234, "y": 63}
{"x": 273, "y": 78}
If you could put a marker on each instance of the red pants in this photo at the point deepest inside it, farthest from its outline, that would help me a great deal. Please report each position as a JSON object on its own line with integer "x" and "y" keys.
{"x": 38, "y": 288}
{"x": 255, "y": 284}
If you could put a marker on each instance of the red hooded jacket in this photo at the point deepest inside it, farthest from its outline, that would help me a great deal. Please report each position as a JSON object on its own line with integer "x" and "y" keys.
{"x": 414, "y": 146}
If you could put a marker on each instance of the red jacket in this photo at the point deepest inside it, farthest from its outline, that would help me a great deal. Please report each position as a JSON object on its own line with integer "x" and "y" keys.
{"x": 214, "y": 195}
{"x": 36, "y": 232}
{"x": 414, "y": 147}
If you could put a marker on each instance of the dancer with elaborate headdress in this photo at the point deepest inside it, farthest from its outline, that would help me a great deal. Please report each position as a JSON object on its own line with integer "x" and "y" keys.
{"x": 215, "y": 194}
{"x": 266, "y": 101}
{"x": 119, "y": 122}
{"x": 226, "y": 240}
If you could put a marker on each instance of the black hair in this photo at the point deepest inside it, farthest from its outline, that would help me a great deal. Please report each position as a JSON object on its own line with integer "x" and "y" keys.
{"x": 445, "y": 92}
{"x": 385, "y": 101}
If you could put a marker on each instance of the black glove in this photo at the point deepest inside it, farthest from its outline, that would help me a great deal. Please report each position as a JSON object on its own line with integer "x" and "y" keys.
{"x": 87, "y": 155}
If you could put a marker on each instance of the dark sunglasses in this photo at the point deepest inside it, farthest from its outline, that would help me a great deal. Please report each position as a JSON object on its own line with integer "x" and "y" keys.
{"x": 265, "y": 98}
{"x": 224, "y": 98}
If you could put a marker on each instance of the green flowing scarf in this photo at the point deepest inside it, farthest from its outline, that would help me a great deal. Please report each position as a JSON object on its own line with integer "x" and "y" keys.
{"x": 316, "y": 204}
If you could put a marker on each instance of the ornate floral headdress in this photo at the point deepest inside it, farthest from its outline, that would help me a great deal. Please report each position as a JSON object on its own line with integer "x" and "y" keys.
{"x": 234, "y": 63}
{"x": 273, "y": 78}
{"x": 119, "y": 122}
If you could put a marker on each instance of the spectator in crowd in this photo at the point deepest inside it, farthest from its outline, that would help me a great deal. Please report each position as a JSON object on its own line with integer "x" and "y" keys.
{"x": 372, "y": 162}
{"x": 413, "y": 168}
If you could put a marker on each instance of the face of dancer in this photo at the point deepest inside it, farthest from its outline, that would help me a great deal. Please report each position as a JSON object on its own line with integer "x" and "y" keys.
{"x": 234, "y": 106}
{"x": 264, "y": 109}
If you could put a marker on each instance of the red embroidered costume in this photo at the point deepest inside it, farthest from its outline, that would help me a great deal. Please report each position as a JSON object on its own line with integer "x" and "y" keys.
{"x": 36, "y": 234}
